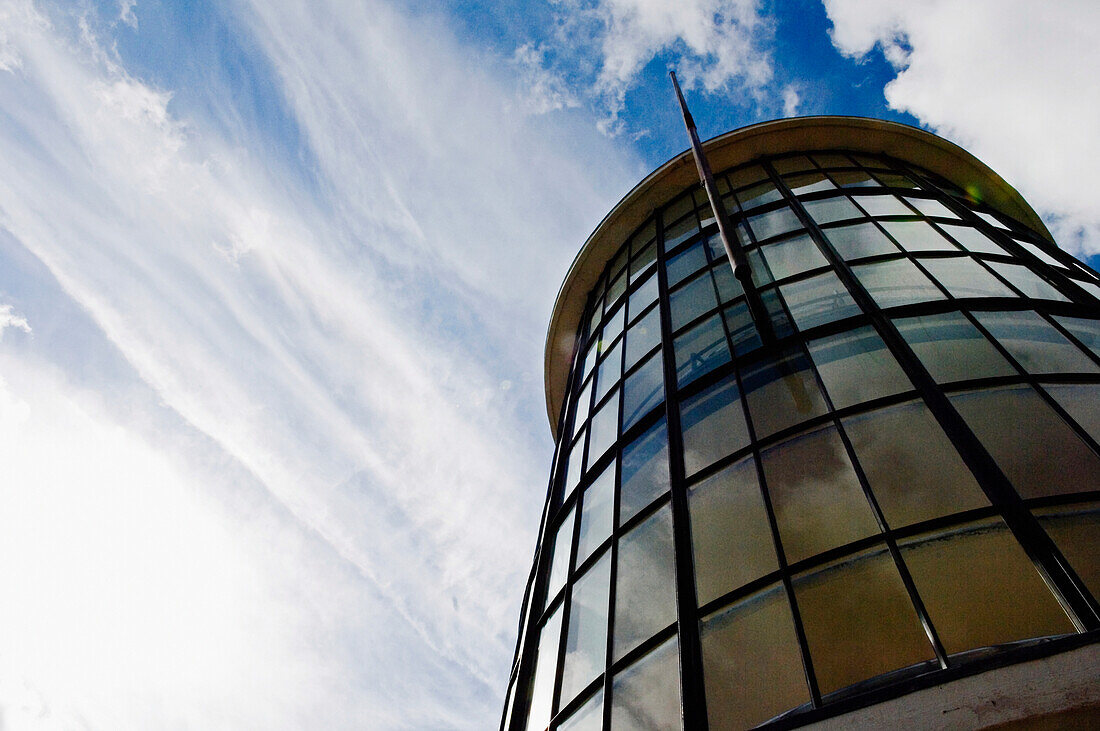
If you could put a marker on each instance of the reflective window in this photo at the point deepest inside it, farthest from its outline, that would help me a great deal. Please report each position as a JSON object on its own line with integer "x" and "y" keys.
{"x": 856, "y": 367}
{"x": 856, "y": 242}
{"x": 793, "y": 256}
{"x": 1040, "y": 254}
{"x": 964, "y": 277}
{"x": 713, "y": 425}
{"x": 914, "y": 471}
{"x": 730, "y": 535}
{"x": 883, "y": 205}
{"x": 979, "y": 587}
{"x": 781, "y": 393}
{"x": 645, "y": 585}
{"x": 681, "y": 231}
{"x": 545, "y": 669}
{"x": 700, "y": 350}
{"x": 931, "y": 207}
{"x": 743, "y": 333}
{"x": 1022, "y": 432}
{"x": 643, "y": 390}
{"x": 729, "y": 288}
{"x": 1027, "y": 282}
{"x": 589, "y": 717}
{"x": 642, "y": 336}
{"x": 616, "y": 290}
{"x": 816, "y": 496}
{"x": 973, "y": 240}
{"x": 584, "y": 400}
{"x": 818, "y": 300}
{"x": 644, "y": 259}
{"x": 643, "y": 296}
{"x": 758, "y": 195}
{"x": 604, "y": 429}
{"x": 559, "y": 559}
{"x": 1035, "y": 344}
{"x": 1085, "y": 330}
{"x": 898, "y": 282}
{"x": 612, "y": 328}
{"x": 597, "y": 514}
{"x": 1081, "y": 402}
{"x": 808, "y": 183}
{"x": 586, "y": 640}
{"x": 692, "y": 300}
{"x": 751, "y": 664}
{"x": 853, "y": 179}
{"x": 576, "y": 464}
{"x": 894, "y": 180}
{"x": 610, "y": 369}
{"x": 647, "y": 694}
{"x": 644, "y": 471}
{"x": 774, "y": 223}
{"x": 917, "y": 236}
{"x": 951, "y": 348}
{"x": 858, "y": 619}
{"x": 828, "y": 210}
{"x": 687, "y": 262}
{"x": 1075, "y": 529}
{"x": 792, "y": 164}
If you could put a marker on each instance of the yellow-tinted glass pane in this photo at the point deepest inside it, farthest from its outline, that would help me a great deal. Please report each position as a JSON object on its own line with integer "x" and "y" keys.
{"x": 730, "y": 535}
{"x": 751, "y": 662}
{"x": 645, "y": 593}
{"x": 1076, "y": 531}
{"x": 980, "y": 589}
{"x": 781, "y": 392}
{"x": 859, "y": 621}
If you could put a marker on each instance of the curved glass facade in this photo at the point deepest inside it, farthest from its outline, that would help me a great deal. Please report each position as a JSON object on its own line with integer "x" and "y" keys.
{"x": 900, "y": 484}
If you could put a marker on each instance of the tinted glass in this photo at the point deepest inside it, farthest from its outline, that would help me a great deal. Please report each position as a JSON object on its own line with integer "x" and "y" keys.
{"x": 642, "y": 297}
{"x": 793, "y": 256}
{"x": 609, "y": 370}
{"x": 917, "y": 236}
{"x": 931, "y": 207}
{"x": 1076, "y": 531}
{"x": 1035, "y": 344}
{"x": 559, "y": 559}
{"x": 951, "y": 348}
{"x": 597, "y": 513}
{"x": 973, "y": 240}
{"x": 896, "y": 282}
{"x": 774, "y": 223}
{"x": 692, "y": 300}
{"x": 586, "y": 640}
{"x": 831, "y": 209}
{"x": 883, "y": 205}
{"x": 857, "y": 367}
{"x": 1027, "y": 282}
{"x": 545, "y": 669}
{"x": 604, "y": 429}
{"x": 645, "y": 471}
{"x": 645, "y": 586}
{"x": 743, "y": 333}
{"x": 683, "y": 265}
{"x": 1085, "y": 330}
{"x": 781, "y": 393}
{"x": 1082, "y": 402}
{"x": 643, "y": 390}
{"x": 701, "y": 349}
{"x": 647, "y": 694}
{"x": 855, "y": 242}
{"x": 642, "y": 336}
{"x": 589, "y": 717}
{"x": 964, "y": 277}
{"x": 713, "y": 425}
{"x": 817, "y": 300}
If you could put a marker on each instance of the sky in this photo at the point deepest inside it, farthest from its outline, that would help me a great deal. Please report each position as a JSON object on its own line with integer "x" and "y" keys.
{"x": 274, "y": 281}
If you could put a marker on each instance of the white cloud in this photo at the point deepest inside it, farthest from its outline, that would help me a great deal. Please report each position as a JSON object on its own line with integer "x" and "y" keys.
{"x": 1010, "y": 80}
{"x": 716, "y": 45}
{"x": 342, "y": 343}
{"x": 126, "y": 13}
{"x": 791, "y": 100}
{"x": 9, "y": 318}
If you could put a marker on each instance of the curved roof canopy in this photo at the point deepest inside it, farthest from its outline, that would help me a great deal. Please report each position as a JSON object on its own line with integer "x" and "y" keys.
{"x": 857, "y": 134}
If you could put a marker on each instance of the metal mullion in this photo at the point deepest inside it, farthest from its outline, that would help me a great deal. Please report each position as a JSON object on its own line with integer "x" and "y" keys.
{"x": 613, "y": 577}
{"x": 692, "y": 691}
{"x": 566, "y": 608}
{"x": 991, "y": 478}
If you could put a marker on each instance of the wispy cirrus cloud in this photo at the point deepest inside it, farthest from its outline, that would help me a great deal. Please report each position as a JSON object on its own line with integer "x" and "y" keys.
{"x": 1013, "y": 82}
{"x": 341, "y": 347}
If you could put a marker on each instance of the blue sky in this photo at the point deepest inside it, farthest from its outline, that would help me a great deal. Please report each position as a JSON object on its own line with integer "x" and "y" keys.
{"x": 274, "y": 278}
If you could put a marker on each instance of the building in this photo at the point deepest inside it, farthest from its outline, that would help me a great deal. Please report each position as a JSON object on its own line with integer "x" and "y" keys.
{"x": 882, "y": 501}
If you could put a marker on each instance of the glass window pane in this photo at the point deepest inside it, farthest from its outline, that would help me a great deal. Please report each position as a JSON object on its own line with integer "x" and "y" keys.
{"x": 1021, "y": 433}
{"x": 586, "y": 640}
{"x": 856, "y": 242}
{"x": 832, "y": 160}
{"x": 774, "y": 307}
{"x": 816, "y": 496}
{"x": 745, "y": 176}
{"x": 713, "y": 425}
{"x": 590, "y": 357}
{"x": 647, "y": 694}
{"x": 545, "y": 671}
{"x": 589, "y": 717}
{"x": 828, "y": 210}
{"x": 883, "y": 205}
{"x": 692, "y": 300}
{"x": 597, "y": 513}
{"x": 644, "y": 472}
{"x": 643, "y": 297}
{"x": 1085, "y": 330}
{"x": 643, "y": 260}
{"x": 687, "y": 262}
{"x": 853, "y": 179}
{"x": 817, "y": 300}
{"x": 559, "y": 559}
{"x": 751, "y": 663}
{"x": 700, "y": 350}
{"x": 917, "y": 236}
{"x": 1075, "y": 529}
{"x": 730, "y": 535}
{"x": 931, "y": 207}
{"x": 645, "y": 584}
{"x": 781, "y": 393}
{"x": 679, "y": 207}
{"x": 584, "y": 401}
{"x": 793, "y": 256}
{"x": 979, "y": 587}
{"x": 1040, "y": 254}
{"x": 642, "y": 336}
{"x": 990, "y": 219}
{"x": 604, "y": 430}
{"x": 964, "y": 277}
{"x": 893, "y": 180}
{"x": 758, "y": 195}
{"x": 611, "y": 328}
{"x": 743, "y": 333}
{"x": 914, "y": 471}
{"x": 898, "y": 282}
{"x": 609, "y": 371}
{"x": 774, "y": 223}
{"x": 1035, "y": 344}
{"x": 681, "y": 231}
{"x": 729, "y": 288}
{"x": 951, "y": 348}
{"x": 1081, "y": 402}
{"x": 859, "y": 621}
{"x": 857, "y": 367}
{"x": 808, "y": 183}
{"x": 576, "y": 465}
{"x": 616, "y": 290}
{"x": 973, "y": 240}
{"x": 1027, "y": 282}
{"x": 643, "y": 390}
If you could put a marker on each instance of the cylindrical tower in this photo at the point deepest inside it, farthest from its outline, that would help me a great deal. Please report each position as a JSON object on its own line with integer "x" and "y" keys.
{"x": 896, "y": 493}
